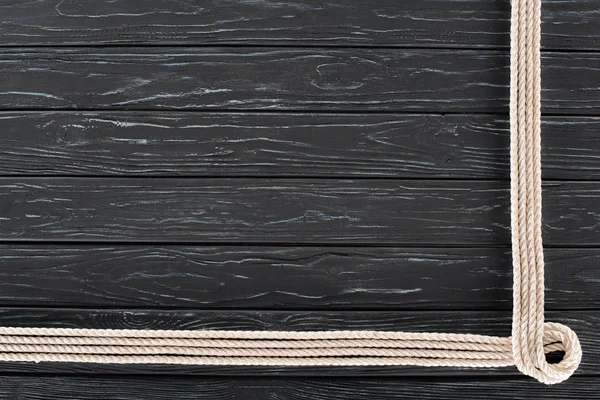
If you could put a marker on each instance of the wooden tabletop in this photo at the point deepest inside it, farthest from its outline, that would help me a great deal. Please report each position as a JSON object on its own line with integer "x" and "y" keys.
{"x": 287, "y": 165}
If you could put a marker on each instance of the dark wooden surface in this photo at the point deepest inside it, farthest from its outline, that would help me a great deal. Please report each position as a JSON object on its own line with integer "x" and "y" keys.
{"x": 299, "y": 165}
{"x": 355, "y": 79}
{"x": 220, "y": 144}
{"x": 286, "y": 211}
{"x": 284, "y": 277}
{"x": 166, "y": 388}
{"x": 425, "y": 23}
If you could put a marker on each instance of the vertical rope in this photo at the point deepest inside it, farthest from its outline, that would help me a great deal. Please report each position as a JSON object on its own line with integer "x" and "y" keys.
{"x": 531, "y": 337}
{"x": 528, "y": 328}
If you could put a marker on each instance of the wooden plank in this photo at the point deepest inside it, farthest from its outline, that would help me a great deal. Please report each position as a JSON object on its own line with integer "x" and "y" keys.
{"x": 488, "y": 322}
{"x": 161, "y": 388}
{"x": 407, "y": 213}
{"x": 286, "y": 79}
{"x": 306, "y": 145}
{"x": 417, "y": 23}
{"x": 285, "y": 277}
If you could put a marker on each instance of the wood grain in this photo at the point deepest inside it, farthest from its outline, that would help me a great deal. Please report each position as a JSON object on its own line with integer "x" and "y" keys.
{"x": 408, "y": 213}
{"x": 270, "y": 165}
{"x": 299, "y": 145}
{"x": 388, "y": 80}
{"x": 261, "y": 277}
{"x": 488, "y": 322}
{"x": 423, "y": 23}
{"x": 166, "y": 388}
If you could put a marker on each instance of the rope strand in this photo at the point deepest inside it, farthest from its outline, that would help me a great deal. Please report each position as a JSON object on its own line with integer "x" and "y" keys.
{"x": 531, "y": 338}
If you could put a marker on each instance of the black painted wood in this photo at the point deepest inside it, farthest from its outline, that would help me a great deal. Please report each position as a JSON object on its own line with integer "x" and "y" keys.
{"x": 301, "y": 145}
{"x": 424, "y": 23}
{"x": 260, "y": 277}
{"x": 484, "y": 322}
{"x": 166, "y": 388}
{"x": 412, "y": 212}
{"x": 286, "y": 79}
{"x": 118, "y": 199}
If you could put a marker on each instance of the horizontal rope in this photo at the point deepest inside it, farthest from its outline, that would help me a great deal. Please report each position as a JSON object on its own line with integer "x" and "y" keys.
{"x": 282, "y": 348}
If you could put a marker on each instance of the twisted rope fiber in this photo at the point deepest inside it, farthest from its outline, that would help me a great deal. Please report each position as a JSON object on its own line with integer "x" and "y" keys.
{"x": 531, "y": 337}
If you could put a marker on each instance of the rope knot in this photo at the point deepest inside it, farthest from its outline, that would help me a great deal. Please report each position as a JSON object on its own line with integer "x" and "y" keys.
{"x": 557, "y": 337}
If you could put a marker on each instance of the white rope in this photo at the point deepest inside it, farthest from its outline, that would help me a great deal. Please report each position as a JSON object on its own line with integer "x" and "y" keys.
{"x": 531, "y": 337}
